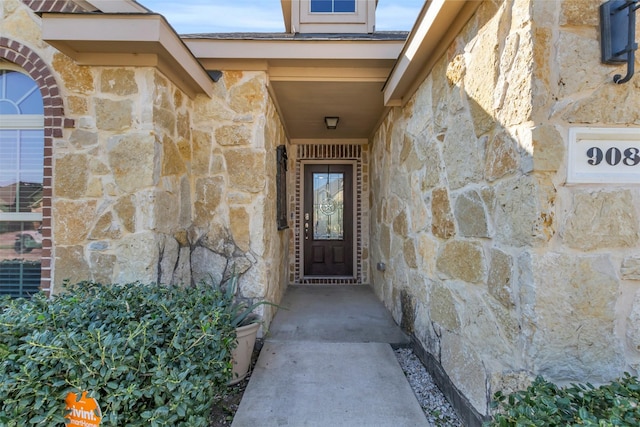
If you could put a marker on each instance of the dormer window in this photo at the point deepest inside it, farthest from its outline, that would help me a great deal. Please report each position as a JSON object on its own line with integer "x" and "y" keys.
{"x": 333, "y": 6}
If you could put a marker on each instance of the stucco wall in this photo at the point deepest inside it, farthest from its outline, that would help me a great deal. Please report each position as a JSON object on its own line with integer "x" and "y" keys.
{"x": 500, "y": 269}
{"x": 150, "y": 185}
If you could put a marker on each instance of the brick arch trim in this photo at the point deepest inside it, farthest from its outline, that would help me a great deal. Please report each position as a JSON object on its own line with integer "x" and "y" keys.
{"x": 54, "y": 123}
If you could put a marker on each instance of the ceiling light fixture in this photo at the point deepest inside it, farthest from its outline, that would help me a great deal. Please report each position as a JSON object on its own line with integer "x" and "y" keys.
{"x": 331, "y": 122}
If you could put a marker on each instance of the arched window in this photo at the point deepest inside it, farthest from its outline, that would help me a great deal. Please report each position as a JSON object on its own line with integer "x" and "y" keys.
{"x": 21, "y": 182}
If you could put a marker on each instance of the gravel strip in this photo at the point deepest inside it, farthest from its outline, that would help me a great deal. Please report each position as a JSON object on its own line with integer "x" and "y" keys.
{"x": 437, "y": 409}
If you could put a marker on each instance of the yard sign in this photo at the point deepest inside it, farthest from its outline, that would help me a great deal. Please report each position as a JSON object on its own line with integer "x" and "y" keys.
{"x": 84, "y": 412}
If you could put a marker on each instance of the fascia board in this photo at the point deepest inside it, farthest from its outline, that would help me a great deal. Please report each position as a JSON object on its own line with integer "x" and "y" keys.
{"x": 439, "y": 22}
{"x": 118, "y": 6}
{"x": 96, "y": 39}
{"x": 294, "y": 49}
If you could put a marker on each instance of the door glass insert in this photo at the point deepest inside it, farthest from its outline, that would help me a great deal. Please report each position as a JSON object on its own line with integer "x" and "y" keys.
{"x": 328, "y": 206}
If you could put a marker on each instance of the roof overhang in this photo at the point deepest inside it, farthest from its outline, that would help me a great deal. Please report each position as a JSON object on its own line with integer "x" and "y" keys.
{"x": 439, "y": 22}
{"x": 127, "y": 40}
{"x": 311, "y": 78}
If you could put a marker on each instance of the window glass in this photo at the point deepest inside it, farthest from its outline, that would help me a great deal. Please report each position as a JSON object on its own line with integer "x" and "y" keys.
{"x": 333, "y": 6}
{"x": 21, "y": 183}
{"x": 19, "y": 94}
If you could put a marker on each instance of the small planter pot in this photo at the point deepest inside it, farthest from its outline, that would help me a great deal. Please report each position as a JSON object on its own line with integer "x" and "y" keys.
{"x": 241, "y": 355}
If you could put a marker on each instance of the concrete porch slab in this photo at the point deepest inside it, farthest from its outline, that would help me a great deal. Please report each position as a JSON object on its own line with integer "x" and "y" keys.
{"x": 302, "y": 383}
{"x": 334, "y": 313}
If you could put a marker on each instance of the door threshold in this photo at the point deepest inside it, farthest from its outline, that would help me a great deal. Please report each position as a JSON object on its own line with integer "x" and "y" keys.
{"x": 329, "y": 280}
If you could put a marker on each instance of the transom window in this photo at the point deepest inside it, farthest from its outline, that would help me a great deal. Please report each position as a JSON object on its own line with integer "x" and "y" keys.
{"x": 333, "y": 6}
{"x": 21, "y": 182}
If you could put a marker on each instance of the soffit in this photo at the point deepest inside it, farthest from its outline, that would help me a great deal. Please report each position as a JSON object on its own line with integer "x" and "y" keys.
{"x": 313, "y": 77}
{"x": 126, "y": 40}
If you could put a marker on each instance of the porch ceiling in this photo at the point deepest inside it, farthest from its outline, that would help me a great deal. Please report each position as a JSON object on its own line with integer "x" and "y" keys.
{"x": 312, "y": 78}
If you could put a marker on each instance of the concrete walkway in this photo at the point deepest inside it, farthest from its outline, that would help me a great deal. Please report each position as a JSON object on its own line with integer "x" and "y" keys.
{"x": 327, "y": 361}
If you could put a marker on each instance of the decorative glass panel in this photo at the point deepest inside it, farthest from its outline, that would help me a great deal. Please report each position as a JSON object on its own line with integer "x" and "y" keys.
{"x": 19, "y": 94}
{"x": 333, "y": 6}
{"x": 328, "y": 206}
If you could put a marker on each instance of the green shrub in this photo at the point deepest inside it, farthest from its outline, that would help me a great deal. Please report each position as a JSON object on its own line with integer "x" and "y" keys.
{"x": 151, "y": 355}
{"x": 545, "y": 404}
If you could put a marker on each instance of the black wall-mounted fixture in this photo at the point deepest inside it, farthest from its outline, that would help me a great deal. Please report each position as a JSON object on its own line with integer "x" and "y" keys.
{"x": 618, "y": 35}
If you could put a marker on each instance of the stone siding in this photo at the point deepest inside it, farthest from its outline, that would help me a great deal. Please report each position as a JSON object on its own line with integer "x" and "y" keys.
{"x": 504, "y": 271}
{"x": 150, "y": 185}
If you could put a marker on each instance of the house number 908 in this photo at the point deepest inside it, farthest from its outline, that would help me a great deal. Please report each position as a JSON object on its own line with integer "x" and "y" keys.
{"x": 613, "y": 156}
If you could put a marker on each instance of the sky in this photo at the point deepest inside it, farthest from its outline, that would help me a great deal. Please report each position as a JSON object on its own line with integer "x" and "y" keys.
{"x": 222, "y": 16}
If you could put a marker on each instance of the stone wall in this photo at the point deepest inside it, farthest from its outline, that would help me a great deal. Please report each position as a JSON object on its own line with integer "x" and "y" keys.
{"x": 153, "y": 186}
{"x": 500, "y": 269}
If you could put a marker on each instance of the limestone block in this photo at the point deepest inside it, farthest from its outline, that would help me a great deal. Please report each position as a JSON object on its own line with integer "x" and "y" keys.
{"x": 202, "y": 151}
{"x": 602, "y": 220}
{"x": 172, "y": 161}
{"x": 409, "y": 253}
{"x": 384, "y": 240}
{"x": 246, "y": 170}
{"x": 77, "y": 105}
{"x": 164, "y": 120}
{"x": 573, "y": 318}
{"x": 432, "y": 173}
{"x": 71, "y": 176}
{"x": 517, "y": 103}
{"x": 401, "y": 224}
{"x": 132, "y": 160}
{"x": 71, "y": 220}
{"x": 500, "y": 278}
{"x": 102, "y": 266}
{"x": 507, "y": 58}
{"x": 633, "y": 324}
{"x": 510, "y": 381}
{"x": 118, "y": 81}
{"x": 466, "y": 369}
{"x": 610, "y": 103}
{"x": 182, "y": 271}
{"x": 249, "y": 96}
{"x": 501, "y": 157}
{"x": 442, "y": 308}
{"x": 580, "y": 70}
{"x": 579, "y": 12}
{"x": 421, "y": 120}
{"x": 125, "y": 208}
{"x": 185, "y": 202}
{"x": 630, "y": 269}
{"x": 212, "y": 110}
{"x": 76, "y": 78}
{"x": 470, "y": 214}
{"x": 240, "y": 222}
{"x": 207, "y": 266}
{"x": 462, "y": 152}
{"x": 138, "y": 258}
{"x": 233, "y": 135}
{"x": 113, "y": 115}
{"x": 106, "y": 227}
{"x": 166, "y": 210}
{"x": 208, "y": 197}
{"x": 183, "y": 124}
{"x": 462, "y": 260}
{"x": 442, "y": 219}
{"x": 81, "y": 138}
{"x": 548, "y": 148}
{"x": 481, "y": 75}
{"x": 427, "y": 251}
{"x": 168, "y": 253}
{"x": 71, "y": 265}
{"x": 516, "y": 211}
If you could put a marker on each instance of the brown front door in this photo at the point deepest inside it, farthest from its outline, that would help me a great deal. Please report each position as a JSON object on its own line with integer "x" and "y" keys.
{"x": 328, "y": 220}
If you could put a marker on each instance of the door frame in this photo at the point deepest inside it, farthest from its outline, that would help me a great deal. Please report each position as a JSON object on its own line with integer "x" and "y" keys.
{"x": 354, "y": 234}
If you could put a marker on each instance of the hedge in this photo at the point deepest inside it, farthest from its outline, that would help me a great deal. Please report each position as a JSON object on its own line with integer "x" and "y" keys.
{"x": 151, "y": 355}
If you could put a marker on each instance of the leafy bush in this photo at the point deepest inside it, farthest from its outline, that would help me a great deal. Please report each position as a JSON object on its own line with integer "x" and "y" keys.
{"x": 151, "y": 355}
{"x": 545, "y": 404}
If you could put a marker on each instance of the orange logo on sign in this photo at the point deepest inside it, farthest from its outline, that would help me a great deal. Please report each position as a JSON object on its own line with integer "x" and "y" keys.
{"x": 84, "y": 412}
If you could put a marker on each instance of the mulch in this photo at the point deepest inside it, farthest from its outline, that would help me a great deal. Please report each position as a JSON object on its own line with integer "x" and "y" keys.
{"x": 225, "y": 408}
